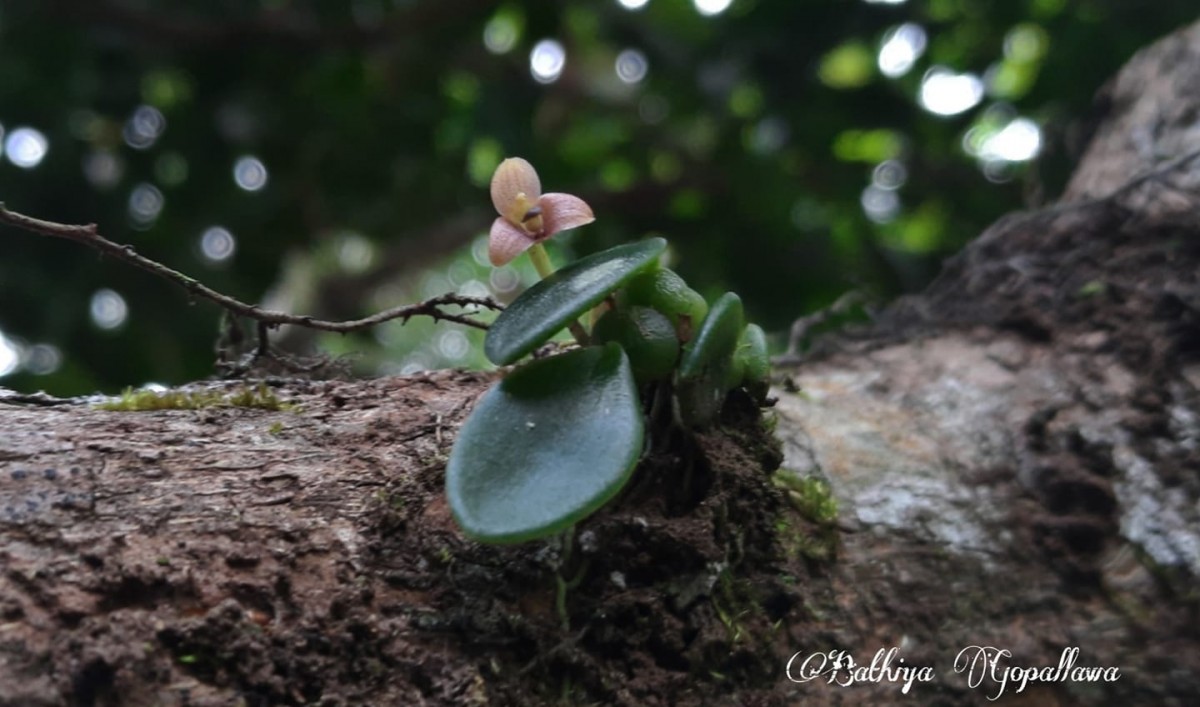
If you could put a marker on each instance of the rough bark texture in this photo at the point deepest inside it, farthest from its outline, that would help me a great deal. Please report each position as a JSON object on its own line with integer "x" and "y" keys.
{"x": 1014, "y": 455}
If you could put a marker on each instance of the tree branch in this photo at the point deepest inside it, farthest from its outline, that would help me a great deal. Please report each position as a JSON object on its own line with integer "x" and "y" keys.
{"x": 88, "y": 235}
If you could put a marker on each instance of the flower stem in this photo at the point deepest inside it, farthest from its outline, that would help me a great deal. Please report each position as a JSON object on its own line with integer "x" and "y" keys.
{"x": 541, "y": 263}
{"x": 541, "y": 260}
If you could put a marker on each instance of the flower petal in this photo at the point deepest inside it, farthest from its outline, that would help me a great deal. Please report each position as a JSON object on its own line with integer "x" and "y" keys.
{"x": 506, "y": 242}
{"x": 514, "y": 176}
{"x": 563, "y": 211}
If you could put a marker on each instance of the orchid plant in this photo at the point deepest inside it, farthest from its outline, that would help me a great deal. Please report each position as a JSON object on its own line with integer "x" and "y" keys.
{"x": 560, "y": 436}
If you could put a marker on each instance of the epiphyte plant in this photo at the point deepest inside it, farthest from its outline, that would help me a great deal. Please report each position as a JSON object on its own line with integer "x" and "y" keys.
{"x": 559, "y": 436}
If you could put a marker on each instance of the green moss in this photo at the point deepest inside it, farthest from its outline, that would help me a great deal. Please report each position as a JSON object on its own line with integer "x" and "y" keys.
{"x": 733, "y": 601}
{"x": 813, "y": 500}
{"x": 819, "y": 545}
{"x": 259, "y": 397}
{"x": 1093, "y": 288}
{"x": 770, "y": 422}
{"x": 811, "y": 496}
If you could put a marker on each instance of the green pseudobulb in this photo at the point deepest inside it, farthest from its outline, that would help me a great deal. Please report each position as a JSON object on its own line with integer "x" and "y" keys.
{"x": 648, "y": 337}
{"x": 664, "y": 290}
{"x": 707, "y": 370}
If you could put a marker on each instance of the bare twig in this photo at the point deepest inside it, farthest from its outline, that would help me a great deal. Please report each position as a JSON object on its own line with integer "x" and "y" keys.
{"x": 803, "y": 325}
{"x": 88, "y": 235}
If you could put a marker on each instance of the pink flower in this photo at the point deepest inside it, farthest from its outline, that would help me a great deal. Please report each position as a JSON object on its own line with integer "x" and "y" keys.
{"x": 527, "y": 216}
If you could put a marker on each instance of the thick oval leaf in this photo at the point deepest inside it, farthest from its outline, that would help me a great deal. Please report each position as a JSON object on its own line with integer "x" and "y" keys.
{"x": 752, "y": 364}
{"x": 716, "y": 340}
{"x": 547, "y": 446}
{"x": 752, "y": 351}
{"x": 708, "y": 371}
{"x": 546, "y": 308}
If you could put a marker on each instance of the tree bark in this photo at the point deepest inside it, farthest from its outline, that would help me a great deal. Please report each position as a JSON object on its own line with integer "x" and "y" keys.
{"x": 1013, "y": 454}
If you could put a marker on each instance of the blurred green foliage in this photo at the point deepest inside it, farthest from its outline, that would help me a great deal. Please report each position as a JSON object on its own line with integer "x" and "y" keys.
{"x": 789, "y": 149}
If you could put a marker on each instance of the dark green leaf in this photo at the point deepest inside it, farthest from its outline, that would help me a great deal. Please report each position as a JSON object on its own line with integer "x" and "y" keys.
{"x": 546, "y": 447}
{"x": 717, "y": 338}
{"x": 546, "y": 308}
{"x": 707, "y": 371}
{"x": 752, "y": 351}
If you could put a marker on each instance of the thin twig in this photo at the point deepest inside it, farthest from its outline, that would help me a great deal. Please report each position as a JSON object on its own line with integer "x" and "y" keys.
{"x": 88, "y": 235}
{"x": 803, "y": 325}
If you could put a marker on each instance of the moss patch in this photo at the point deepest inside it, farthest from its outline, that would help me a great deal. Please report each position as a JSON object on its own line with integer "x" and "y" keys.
{"x": 814, "y": 535}
{"x": 260, "y": 397}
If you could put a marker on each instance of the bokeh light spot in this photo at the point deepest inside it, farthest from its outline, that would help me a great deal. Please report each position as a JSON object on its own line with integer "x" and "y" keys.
{"x": 632, "y": 66}
{"x": 25, "y": 147}
{"x": 459, "y": 273}
{"x": 145, "y": 204}
{"x": 944, "y": 92}
{"x": 217, "y": 244}
{"x": 709, "y": 8}
{"x": 479, "y": 252}
{"x": 108, "y": 309}
{"x": 10, "y": 356}
{"x": 355, "y": 253}
{"x": 501, "y": 33}
{"x": 42, "y": 359}
{"x": 504, "y": 280}
{"x": 144, "y": 127}
{"x": 847, "y": 66}
{"x": 434, "y": 284}
{"x": 998, "y": 171}
{"x": 890, "y": 175}
{"x": 633, "y": 4}
{"x": 1026, "y": 43}
{"x": 902, "y": 46}
{"x": 768, "y": 135}
{"x": 453, "y": 344}
{"x": 103, "y": 169}
{"x": 473, "y": 288}
{"x": 250, "y": 173}
{"x": 483, "y": 156}
{"x": 880, "y": 205}
{"x": 415, "y": 363}
{"x": 547, "y": 60}
{"x": 1019, "y": 141}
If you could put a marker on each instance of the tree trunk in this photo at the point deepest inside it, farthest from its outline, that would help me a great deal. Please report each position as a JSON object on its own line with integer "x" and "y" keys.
{"x": 1013, "y": 455}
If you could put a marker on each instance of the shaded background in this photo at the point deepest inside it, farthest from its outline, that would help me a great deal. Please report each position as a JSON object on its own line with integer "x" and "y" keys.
{"x": 332, "y": 158}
